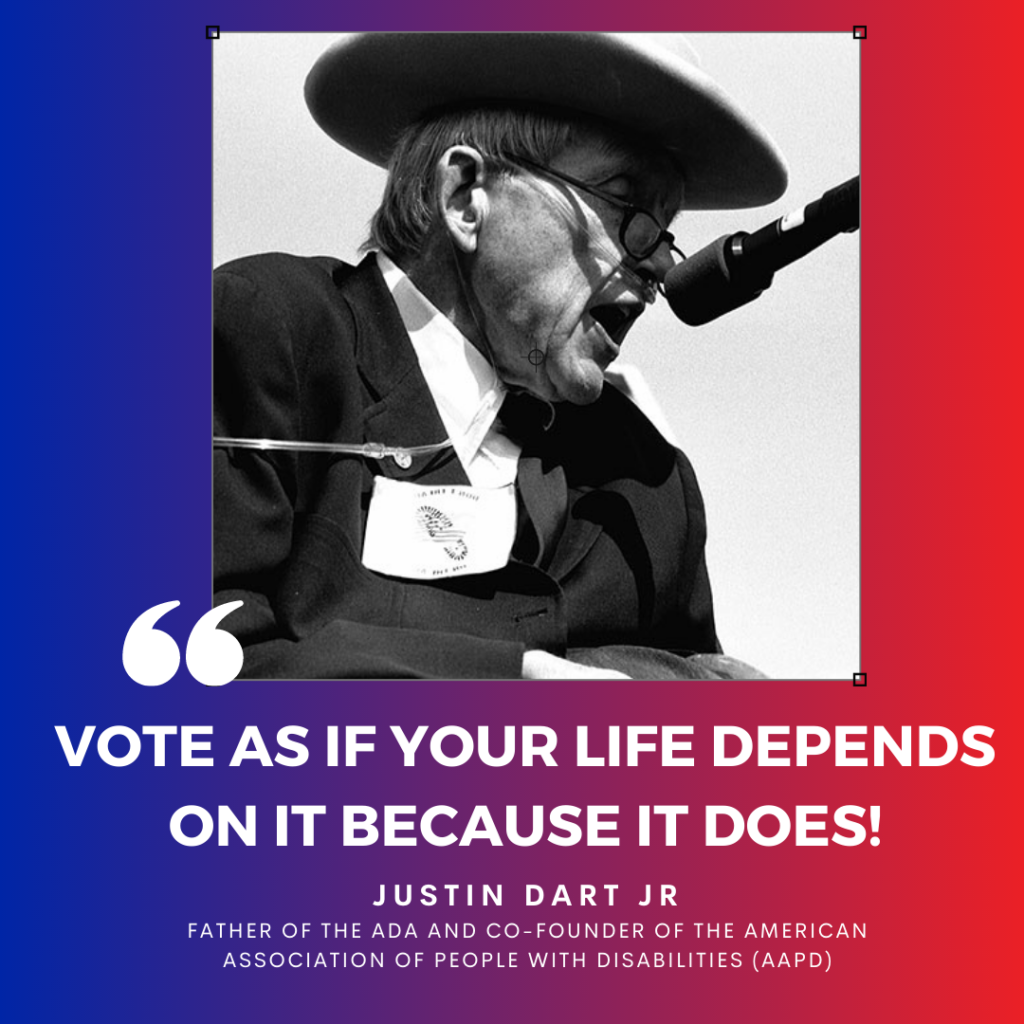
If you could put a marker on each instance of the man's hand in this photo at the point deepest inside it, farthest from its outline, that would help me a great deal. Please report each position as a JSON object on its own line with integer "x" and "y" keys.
{"x": 541, "y": 665}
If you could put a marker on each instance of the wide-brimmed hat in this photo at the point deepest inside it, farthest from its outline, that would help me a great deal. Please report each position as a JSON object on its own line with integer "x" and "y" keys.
{"x": 369, "y": 86}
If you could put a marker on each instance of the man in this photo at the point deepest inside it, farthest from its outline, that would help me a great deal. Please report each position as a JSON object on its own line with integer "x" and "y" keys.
{"x": 420, "y": 470}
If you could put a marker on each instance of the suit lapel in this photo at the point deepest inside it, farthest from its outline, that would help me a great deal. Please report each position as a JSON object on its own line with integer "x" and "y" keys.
{"x": 401, "y": 411}
{"x": 578, "y": 537}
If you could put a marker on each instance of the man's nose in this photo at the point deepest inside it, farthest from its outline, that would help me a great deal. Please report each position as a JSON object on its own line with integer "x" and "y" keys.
{"x": 653, "y": 268}
{"x": 661, "y": 261}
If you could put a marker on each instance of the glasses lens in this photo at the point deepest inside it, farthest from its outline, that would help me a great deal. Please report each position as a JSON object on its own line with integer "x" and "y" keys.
{"x": 641, "y": 235}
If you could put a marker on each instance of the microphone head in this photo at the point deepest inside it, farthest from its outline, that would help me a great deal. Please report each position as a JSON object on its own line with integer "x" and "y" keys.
{"x": 704, "y": 287}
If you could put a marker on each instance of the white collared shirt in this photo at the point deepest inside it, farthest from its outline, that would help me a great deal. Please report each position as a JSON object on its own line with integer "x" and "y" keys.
{"x": 463, "y": 384}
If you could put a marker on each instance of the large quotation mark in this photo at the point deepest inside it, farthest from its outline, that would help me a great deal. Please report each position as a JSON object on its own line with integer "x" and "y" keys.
{"x": 151, "y": 657}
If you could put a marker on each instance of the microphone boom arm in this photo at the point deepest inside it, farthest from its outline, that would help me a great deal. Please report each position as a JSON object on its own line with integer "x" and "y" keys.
{"x": 737, "y": 268}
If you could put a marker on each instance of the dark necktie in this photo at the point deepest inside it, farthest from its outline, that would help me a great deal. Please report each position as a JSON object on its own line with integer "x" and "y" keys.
{"x": 540, "y": 480}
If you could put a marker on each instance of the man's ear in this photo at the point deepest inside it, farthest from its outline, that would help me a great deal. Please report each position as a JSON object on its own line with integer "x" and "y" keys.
{"x": 461, "y": 177}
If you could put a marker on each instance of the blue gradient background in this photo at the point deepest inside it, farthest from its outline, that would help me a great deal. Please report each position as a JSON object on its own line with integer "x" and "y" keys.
{"x": 108, "y": 497}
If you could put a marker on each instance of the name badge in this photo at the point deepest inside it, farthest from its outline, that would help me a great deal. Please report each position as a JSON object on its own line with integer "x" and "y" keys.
{"x": 426, "y": 533}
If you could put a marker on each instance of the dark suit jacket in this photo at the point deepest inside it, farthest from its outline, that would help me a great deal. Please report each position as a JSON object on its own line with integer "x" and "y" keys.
{"x": 314, "y": 350}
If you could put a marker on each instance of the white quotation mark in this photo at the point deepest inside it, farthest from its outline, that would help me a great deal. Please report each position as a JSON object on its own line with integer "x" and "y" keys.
{"x": 151, "y": 657}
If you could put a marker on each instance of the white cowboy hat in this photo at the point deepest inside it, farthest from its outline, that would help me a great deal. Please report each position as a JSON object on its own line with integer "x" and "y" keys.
{"x": 369, "y": 86}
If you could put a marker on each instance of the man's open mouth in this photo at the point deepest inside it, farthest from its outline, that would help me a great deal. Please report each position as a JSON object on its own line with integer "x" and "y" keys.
{"x": 616, "y": 318}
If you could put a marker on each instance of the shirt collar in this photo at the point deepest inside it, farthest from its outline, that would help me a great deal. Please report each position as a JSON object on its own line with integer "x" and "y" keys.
{"x": 463, "y": 384}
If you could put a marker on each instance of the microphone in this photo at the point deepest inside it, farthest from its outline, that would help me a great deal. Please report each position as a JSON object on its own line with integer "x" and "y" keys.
{"x": 735, "y": 269}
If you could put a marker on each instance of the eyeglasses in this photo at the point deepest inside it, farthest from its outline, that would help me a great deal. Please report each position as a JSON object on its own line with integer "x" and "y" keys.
{"x": 639, "y": 232}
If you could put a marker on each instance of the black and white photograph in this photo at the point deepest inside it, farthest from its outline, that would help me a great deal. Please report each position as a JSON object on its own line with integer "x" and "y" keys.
{"x": 537, "y": 355}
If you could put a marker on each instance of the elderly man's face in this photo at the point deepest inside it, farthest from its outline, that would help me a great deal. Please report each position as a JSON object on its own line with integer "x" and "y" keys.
{"x": 557, "y": 290}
